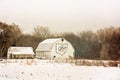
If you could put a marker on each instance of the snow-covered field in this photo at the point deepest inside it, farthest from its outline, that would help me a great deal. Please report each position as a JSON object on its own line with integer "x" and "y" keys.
{"x": 45, "y": 70}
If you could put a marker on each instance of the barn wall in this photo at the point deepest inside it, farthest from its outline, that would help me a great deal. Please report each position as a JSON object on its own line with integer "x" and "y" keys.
{"x": 14, "y": 56}
{"x": 47, "y": 54}
{"x": 23, "y": 56}
{"x": 66, "y": 54}
{"x": 41, "y": 54}
{"x": 61, "y": 49}
{"x": 9, "y": 56}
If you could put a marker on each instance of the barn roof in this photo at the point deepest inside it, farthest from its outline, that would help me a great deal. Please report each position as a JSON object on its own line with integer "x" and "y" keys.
{"x": 21, "y": 50}
{"x": 47, "y": 44}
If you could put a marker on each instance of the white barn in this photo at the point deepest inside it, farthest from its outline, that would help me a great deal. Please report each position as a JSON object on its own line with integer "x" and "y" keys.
{"x": 20, "y": 52}
{"x": 55, "y": 48}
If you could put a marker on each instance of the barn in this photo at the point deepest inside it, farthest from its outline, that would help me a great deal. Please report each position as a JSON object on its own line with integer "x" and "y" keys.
{"x": 55, "y": 48}
{"x": 20, "y": 53}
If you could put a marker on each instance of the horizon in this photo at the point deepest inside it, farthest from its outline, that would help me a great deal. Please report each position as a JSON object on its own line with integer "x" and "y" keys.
{"x": 61, "y": 15}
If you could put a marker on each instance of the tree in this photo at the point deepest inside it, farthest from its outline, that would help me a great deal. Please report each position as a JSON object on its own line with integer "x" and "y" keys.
{"x": 41, "y": 32}
{"x": 110, "y": 40}
{"x": 8, "y": 37}
{"x": 89, "y": 45}
{"x": 27, "y": 40}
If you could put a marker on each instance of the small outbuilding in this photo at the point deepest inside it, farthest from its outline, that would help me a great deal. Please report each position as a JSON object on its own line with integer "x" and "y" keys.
{"x": 20, "y": 53}
{"x": 55, "y": 48}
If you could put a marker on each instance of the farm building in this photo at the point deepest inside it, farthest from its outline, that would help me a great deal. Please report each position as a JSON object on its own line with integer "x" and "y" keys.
{"x": 55, "y": 48}
{"x": 20, "y": 52}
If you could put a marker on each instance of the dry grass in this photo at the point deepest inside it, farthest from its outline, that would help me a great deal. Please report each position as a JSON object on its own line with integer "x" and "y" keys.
{"x": 86, "y": 62}
{"x": 78, "y": 62}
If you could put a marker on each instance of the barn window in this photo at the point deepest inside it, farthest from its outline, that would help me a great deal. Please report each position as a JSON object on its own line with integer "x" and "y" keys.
{"x": 54, "y": 56}
{"x": 62, "y": 39}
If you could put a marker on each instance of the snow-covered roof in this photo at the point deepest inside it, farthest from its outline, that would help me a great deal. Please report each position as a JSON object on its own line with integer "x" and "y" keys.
{"x": 21, "y": 50}
{"x": 47, "y": 44}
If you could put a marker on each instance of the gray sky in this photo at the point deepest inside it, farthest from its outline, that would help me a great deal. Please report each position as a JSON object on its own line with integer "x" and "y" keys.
{"x": 61, "y": 15}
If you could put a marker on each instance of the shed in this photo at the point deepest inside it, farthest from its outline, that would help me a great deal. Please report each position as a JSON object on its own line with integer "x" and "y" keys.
{"x": 20, "y": 52}
{"x": 55, "y": 48}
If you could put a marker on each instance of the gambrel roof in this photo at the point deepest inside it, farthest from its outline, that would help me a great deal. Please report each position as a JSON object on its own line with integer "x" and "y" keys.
{"x": 47, "y": 44}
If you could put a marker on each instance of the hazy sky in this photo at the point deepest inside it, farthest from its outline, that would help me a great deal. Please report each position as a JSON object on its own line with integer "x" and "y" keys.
{"x": 61, "y": 15}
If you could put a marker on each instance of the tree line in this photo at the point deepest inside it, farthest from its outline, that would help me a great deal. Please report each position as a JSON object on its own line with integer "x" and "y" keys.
{"x": 103, "y": 44}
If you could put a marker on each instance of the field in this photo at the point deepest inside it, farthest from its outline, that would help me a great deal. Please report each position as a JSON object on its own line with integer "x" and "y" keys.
{"x": 35, "y": 69}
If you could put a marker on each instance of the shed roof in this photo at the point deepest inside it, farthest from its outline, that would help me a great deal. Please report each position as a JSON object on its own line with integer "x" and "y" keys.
{"x": 47, "y": 44}
{"x": 21, "y": 50}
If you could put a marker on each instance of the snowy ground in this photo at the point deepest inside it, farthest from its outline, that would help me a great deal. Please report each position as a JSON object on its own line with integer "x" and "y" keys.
{"x": 45, "y": 70}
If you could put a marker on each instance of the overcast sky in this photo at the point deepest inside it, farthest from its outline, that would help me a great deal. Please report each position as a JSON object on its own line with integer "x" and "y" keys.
{"x": 61, "y": 15}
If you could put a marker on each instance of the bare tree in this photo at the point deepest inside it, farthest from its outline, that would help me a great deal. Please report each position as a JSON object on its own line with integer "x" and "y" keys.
{"x": 41, "y": 32}
{"x": 89, "y": 45}
{"x": 110, "y": 40}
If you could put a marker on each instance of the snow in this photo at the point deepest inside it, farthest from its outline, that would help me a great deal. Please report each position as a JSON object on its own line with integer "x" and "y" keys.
{"x": 49, "y": 70}
{"x": 20, "y": 50}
